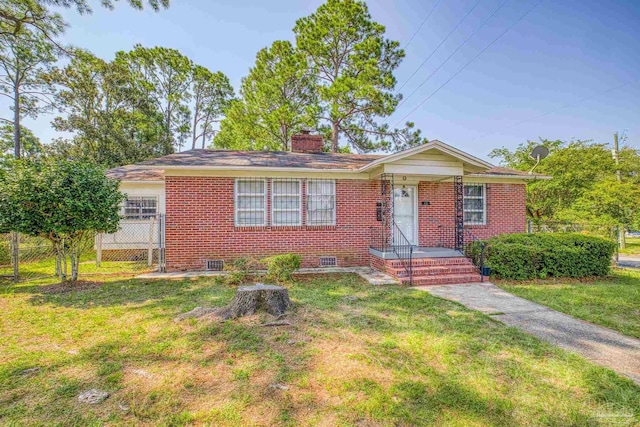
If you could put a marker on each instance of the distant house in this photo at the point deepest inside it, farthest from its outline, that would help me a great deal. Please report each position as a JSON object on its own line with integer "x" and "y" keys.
{"x": 341, "y": 210}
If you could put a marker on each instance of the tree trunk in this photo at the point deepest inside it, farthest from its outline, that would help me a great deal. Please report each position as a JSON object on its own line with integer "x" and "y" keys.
{"x": 75, "y": 264}
{"x": 195, "y": 125}
{"x": 16, "y": 122}
{"x": 334, "y": 137}
{"x": 248, "y": 299}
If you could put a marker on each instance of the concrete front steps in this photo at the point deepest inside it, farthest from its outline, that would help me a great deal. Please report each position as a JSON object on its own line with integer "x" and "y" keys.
{"x": 435, "y": 271}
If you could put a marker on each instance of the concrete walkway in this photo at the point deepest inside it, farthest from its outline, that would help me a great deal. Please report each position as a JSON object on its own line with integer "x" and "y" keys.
{"x": 596, "y": 343}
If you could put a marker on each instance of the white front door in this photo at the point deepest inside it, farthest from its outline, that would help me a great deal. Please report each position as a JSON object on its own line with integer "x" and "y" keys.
{"x": 405, "y": 213}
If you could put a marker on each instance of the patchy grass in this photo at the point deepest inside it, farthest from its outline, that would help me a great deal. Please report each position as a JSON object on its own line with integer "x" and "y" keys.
{"x": 391, "y": 357}
{"x": 632, "y": 246}
{"x": 613, "y": 302}
{"x": 45, "y": 268}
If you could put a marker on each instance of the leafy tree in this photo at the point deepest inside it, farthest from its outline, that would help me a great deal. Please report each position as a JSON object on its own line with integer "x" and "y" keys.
{"x": 354, "y": 66}
{"x": 34, "y": 15}
{"x": 608, "y": 203}
{"x": 29, "y": 143}
{"x": 24, "y": 57}
{"x": 583, "y": 187}
{"x": 278, "y": 99}
{"x": 212, "y": 93}
{"x": 113, "y": 121}
{"x": 165, "y": 76}
{"x": 63, "y": 201}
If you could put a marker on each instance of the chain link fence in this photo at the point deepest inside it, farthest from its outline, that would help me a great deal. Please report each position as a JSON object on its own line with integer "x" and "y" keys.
{"x": 137, "y": 247}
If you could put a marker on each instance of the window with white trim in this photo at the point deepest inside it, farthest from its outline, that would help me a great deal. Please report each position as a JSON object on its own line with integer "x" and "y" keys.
{"x": 475, "y": 204}
{"x": 286, "y": 202}
{"x": 140, "y": 207}
{"x": 250, "y": 202}
{"x": 321, "y": 202}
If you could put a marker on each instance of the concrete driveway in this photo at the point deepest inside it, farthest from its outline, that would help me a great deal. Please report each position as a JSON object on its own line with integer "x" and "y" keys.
{"x": 596, "y": 343}
{"x": 629, "y": 261}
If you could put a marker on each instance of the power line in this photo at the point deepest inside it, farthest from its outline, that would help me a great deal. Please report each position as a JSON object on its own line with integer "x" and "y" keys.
{"x": 438, "y": 47}
{"x": 572, "y": 104}
{"x": 453, "y": 53}
{"x": 470, "y": 61}
{"x": 422, "y": 25}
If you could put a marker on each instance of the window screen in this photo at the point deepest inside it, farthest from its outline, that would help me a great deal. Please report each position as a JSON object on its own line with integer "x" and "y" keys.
{"x": 250, "y": 203}
{"x": 286, "y": 202}
{"x": 474, "y": 204}
{"x": 140, "y": 207}
{"x": 321, "y": 202}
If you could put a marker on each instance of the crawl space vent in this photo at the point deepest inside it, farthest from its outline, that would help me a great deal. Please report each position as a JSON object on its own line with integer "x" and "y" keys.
{"x": 328, "y": 261}
{"x": 215, "y": 264}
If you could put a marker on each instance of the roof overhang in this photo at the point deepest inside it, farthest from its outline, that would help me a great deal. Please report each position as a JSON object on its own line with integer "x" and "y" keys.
{"x": 433, "y": 145}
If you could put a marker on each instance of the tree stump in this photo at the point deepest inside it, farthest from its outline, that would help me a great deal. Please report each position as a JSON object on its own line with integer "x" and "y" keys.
{"x": 248, "y": 299}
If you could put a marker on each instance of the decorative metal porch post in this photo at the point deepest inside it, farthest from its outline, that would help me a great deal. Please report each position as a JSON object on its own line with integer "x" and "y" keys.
{"x": 458, "y": 191}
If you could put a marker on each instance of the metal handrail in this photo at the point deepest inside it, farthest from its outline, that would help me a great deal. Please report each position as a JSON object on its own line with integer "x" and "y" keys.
{"x": 400, "y": 250}
{"x": 483, "y": 246}
{"x": 394, "y": 240}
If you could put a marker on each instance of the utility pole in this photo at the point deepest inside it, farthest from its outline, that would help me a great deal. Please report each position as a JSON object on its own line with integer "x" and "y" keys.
{"x": 616, "y": 158}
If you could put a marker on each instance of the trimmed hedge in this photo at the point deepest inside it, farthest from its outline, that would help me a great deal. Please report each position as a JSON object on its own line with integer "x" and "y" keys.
{"x": 537, "y": 256}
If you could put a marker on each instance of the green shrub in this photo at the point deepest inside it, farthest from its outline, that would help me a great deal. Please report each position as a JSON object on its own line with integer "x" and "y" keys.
{"x": 280, "y": 268}
{"x": 238, "y": 271}
{"x": 531, "y": 256}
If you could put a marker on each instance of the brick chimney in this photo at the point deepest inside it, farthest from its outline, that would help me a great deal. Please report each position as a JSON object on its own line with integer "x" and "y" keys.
{"x": 304, "y": 142}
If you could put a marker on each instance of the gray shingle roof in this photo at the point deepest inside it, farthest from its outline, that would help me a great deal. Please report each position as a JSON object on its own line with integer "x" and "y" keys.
{"x": 153, "y": 170}
{"x": 136, "y": 173}
{"x": 262, "y": 159}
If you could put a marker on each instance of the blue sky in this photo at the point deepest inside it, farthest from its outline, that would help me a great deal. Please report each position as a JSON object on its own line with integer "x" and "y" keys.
{"x": 569, "y": 52}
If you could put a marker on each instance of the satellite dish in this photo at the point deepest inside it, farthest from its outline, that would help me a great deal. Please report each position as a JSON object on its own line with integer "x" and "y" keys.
{"x": 538, "y": 153}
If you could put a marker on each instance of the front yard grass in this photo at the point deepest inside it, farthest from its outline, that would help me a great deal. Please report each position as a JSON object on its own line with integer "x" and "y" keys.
{"x": 613, "y": 301}
{"x": 632, "y": 246}
{"x": 391, "y": 356}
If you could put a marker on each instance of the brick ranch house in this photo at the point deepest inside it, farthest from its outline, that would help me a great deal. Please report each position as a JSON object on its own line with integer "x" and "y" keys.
{"x": 407, "y": 213}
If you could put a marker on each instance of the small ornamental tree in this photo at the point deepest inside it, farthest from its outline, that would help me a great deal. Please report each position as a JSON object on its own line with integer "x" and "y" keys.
{"x": 62, "y": 201}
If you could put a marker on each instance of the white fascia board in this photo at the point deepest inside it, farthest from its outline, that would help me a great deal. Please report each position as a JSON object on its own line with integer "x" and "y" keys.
{"x": 435, "y": 144}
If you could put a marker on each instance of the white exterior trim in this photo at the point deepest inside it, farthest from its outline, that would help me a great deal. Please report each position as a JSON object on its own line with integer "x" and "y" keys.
{"x": 484, "y": 203}
{"x": 435, "y": 144}
{"x": 235, "y": 202}
{"x": 273, "y": 196}
{"x": 335, "y": 205}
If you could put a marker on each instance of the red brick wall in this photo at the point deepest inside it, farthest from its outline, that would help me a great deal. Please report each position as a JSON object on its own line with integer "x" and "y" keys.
{"x": 200, "y": 222}
{"x": 506, "y": 212}
{"x": 200, "y": 226}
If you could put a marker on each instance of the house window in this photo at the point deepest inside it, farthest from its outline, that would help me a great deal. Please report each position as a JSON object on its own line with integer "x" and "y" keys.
{"x": 251, "y": 202}
{"x": 475, "y": 204}
{"x": 140, "y": 207}
{"x": 321, "y": 202}
{"x": 286, "y": 202}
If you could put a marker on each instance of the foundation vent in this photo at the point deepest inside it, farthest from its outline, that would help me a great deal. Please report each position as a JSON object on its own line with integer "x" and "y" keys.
{"x": 328, "y": 261}
{"x": 215, "y": 264}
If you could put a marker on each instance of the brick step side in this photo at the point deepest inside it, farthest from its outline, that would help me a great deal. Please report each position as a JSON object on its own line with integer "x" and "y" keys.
{"x": 434, "y": 271}
{"x": 443, "y": 279}
{"x": 419, "y": 262}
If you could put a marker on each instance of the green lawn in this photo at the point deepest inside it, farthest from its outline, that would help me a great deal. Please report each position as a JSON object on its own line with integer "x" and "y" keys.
{"x": 46, "y": 268}
{"x": 632, "y": 246}
{"x": 391, "y": 357}
{"x": 613, "y": 302}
